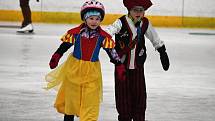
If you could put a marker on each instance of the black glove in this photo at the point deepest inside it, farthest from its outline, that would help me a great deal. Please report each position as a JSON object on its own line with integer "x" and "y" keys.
{"x": 164, "y": 57}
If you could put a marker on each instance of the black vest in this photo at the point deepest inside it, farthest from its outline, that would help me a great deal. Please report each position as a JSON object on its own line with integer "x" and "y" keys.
{"x": 124, "y": 37}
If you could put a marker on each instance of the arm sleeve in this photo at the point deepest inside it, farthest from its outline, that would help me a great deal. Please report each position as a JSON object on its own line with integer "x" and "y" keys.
{"x": 114, "y": 57}
{"x": 63, "y": 48}
{"x": 114, "y": 28}
{"x": 152, "y": 35}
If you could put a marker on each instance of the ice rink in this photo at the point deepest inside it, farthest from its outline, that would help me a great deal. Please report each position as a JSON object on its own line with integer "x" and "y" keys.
{"x": 184, "y": 93}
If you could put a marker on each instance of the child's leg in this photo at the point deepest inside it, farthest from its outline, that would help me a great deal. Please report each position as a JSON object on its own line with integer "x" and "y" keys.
{"x": 68, "y": 117}
{"x": 123, "y": 99}
{"x": 138, "y": 88}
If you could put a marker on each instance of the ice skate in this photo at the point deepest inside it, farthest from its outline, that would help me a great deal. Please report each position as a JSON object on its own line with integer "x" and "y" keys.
{"x": 28, "y": 28}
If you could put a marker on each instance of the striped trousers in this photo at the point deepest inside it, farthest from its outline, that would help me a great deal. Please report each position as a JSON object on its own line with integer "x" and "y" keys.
{"x": 130, "y": 96}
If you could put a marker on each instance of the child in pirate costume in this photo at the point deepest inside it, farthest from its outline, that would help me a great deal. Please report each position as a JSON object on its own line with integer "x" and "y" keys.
{"x": 79, "y": 78}
{"x": 129, "y": 31}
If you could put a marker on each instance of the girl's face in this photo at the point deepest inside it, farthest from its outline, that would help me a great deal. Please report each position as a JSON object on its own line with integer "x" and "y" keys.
{"x": 136, "y": 14}
{"x": 93, "y": 22}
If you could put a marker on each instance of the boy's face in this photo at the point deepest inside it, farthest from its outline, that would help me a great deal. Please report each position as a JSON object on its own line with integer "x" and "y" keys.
{"x": 93, "y": 22}
{"x": 137, "y": 13}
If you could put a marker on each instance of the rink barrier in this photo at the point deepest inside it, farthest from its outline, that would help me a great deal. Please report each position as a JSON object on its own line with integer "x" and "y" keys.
{"x": 74, "y": 18}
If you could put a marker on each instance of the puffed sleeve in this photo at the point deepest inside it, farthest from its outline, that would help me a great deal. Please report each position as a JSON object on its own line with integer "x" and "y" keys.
{"x": 108, "y": 43}
{"x": 68, "y": 37}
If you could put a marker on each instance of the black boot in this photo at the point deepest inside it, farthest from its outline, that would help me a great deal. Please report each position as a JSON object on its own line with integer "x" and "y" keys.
{"x": 68, "y": 117}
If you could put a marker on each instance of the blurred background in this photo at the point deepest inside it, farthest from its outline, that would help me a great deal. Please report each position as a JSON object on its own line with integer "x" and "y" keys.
{"x": 168, "y": 13}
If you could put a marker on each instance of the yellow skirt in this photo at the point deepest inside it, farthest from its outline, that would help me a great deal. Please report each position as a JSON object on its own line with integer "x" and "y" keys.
{"x": 79, "y": 85}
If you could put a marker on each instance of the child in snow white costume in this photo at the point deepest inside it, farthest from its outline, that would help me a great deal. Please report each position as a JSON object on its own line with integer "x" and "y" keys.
{"x": 129, "y": 31}
{"x": 79, "y": 77}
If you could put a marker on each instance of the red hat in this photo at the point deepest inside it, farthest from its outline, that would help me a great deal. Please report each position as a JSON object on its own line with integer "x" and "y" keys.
{"x": 131, "y": 3}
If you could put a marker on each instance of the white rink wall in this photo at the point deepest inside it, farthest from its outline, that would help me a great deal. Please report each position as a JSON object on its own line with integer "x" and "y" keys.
{"x": 192, "y": 8}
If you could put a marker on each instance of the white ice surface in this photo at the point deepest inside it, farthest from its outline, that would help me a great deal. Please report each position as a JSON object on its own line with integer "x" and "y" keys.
{"x": 184, "y": 93}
